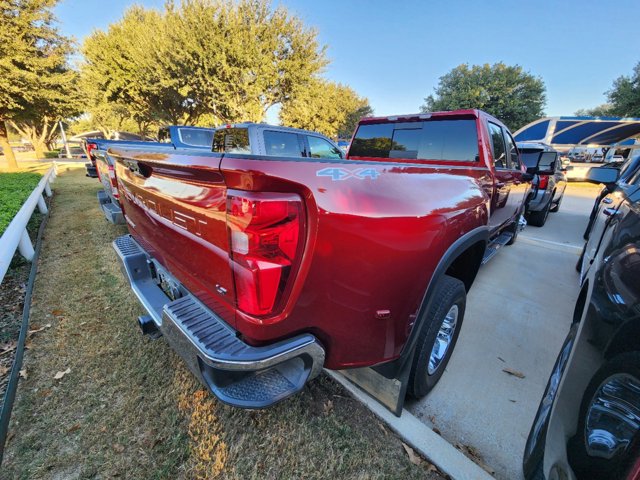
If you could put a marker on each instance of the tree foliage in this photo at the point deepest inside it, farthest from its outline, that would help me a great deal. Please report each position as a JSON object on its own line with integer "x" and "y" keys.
{"x": 230, "y": 61}
{"x": 603, "y": 110}
{"x": 624, "y": 96}
{"x": 507, "y": 92}
{"x": 35, "y": 80}
{"x": 327, "y": 107}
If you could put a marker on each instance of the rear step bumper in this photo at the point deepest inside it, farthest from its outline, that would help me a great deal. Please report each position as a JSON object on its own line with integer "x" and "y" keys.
{"x": 111, "y": 210}
{"x": 237, "y": 373}
{"x": 91, "y": 170}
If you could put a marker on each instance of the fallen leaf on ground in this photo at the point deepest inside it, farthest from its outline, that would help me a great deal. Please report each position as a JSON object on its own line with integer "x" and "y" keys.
{"x": 515, "y": 373}
{"x": 8, "y": 347}
{"x": 23, "y": 373}
{"x": 413, "y": 458}
{"x": 328, "y": 406}
{"x": 57, "y": 312}
{"x": 73, "y": 428}
{"x": 474, "y": 455}
{"x": 61, "y": 374}
{"x": 118, "y": 448}
{"x": 45, "y": 392}
{"x": 39, "y": 329}
{"x": 3, "y": 370}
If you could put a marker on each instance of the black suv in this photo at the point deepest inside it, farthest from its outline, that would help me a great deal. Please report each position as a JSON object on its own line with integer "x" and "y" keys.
{"x": 588, "y": 422}
{"x": 546, "y": 190}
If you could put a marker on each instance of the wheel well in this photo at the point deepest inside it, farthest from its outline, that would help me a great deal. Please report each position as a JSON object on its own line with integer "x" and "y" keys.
{"x": 627, "y": 339}
{"x": 582, "y": 298}
{"x": 466, "y": 265}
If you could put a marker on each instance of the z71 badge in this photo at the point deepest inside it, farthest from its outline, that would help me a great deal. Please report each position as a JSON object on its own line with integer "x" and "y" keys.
{"x": 344, "y": 174}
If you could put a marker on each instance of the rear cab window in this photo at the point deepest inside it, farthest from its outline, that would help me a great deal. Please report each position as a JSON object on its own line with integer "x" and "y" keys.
{"x": 196, "y": 137}
{"x": 282, "y": 144}
{"x": 438, "y": 139}
{"x": 231, "y": 140}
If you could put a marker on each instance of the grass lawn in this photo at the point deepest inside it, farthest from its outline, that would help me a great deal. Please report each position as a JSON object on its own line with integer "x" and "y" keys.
{"x": 15, "y": 188}
{"x": 127, "y": 407}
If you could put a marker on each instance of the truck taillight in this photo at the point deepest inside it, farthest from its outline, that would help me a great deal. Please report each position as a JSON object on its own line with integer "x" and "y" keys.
{"x": 543, "y": 181}
{"x": 90, "y": 148}
{"x": 114, "y": 182}
{"x": 266, "y": 239}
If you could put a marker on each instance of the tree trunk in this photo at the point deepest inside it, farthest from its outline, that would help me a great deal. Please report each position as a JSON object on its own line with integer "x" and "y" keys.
{"x": 6, "y": 147}
{"x": 38, "y": 147}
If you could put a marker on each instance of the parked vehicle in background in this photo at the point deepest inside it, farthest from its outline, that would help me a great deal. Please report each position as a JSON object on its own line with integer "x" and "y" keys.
{"x": 547, "y": 191}
{"x": 76, "y": 151}
{"x": 577, "y": 172}
{"x": 172, "y": 137}
{"x": 273, "y": 256}
{"x": 627, "y": 170}
{"x": 597, "y": 158}
{"x": 588, "y": 422}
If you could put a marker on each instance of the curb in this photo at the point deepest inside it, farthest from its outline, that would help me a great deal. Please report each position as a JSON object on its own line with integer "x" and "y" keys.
{"x": 420, "y": 437}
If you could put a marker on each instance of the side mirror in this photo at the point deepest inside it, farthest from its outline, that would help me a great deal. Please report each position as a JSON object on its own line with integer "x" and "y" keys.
{"x": 547, "y": 163}
{"x": 605, "y": 175}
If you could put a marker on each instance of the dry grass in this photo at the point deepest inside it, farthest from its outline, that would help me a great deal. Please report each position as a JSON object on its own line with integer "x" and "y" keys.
{"x": 128, "y": 408}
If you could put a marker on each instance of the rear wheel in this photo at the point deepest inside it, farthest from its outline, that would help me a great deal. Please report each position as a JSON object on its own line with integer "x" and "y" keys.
{"x": 609, "y": 421}
{"x": 538, "y": 219}
{"x": 439, "y": 334}
{"x": 556, "y": 206}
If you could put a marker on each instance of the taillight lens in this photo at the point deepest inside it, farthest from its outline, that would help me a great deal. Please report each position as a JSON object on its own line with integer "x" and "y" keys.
{"x": 266, "y": 238}
{"x": 543, "y": 181}
{"x": 114, "y": 182}
{"x": 90, "y": 148}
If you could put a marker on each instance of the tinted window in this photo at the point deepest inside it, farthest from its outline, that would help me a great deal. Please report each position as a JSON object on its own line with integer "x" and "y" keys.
{"x": 282, "y": 144}
{"x": 231, "y": 140}
{"x": 449, "y": 140}
{"x": 372, "y": 140}
{"x": 513, "y": 151}
{"x": 196, "y": 137}
{"x": 454, "y": 140}
{"x": 405, "y": 143}
{"x": 320, "y": 148}
{"x": 499, "y": 150}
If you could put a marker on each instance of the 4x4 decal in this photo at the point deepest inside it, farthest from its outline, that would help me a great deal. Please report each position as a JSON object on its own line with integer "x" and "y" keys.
{"x": 337, "y": 174}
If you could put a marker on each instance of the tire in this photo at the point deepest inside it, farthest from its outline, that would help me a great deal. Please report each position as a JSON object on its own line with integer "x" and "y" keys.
{"x": 556, "y": 206}
{"x": 449, "y": 300}
{"x": 538, "y": 219}
{"x": 624, "y": 367}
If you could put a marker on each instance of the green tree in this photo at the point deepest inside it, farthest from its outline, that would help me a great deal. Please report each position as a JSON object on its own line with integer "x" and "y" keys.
{"x": 326, "y": 107}
{"x": 227, "y": 61}
{"x": 30, "y": 49}
{"x": 603, "y": 110}
{"x": 624, "y": 95}
{"x": 58, "y": 98}
{"x": 507, "y": 92}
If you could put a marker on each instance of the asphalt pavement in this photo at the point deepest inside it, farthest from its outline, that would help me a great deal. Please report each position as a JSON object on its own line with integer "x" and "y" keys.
{"x": 518, "y": 313}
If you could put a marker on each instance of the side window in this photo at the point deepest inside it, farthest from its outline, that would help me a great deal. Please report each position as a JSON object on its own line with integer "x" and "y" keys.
{"x": 231, "y": 140}
{"x": 513, "y": 151}
{"x": 282, "y": 144}
{"x": 499, "y": 149}
{"x": 320, "y": 148}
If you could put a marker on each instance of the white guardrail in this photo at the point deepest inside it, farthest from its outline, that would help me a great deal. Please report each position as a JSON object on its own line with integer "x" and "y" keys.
{"x": 16, "y": 237}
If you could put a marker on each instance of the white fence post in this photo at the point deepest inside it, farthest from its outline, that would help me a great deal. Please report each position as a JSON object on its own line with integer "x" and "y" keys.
{"x": 25, "y": 246}
{"x": 16, "y": 236}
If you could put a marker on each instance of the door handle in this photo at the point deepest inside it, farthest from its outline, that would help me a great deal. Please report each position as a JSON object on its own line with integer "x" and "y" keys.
{"x": 610, "y": 212}
{"x": 607, "y": 200}
{"x": 499, "y": 185}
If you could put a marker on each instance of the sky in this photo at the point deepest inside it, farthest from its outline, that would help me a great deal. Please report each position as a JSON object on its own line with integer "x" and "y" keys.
{"x": 394, "y": 52}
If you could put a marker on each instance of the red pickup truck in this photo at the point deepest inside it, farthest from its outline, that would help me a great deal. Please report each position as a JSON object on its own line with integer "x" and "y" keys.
{"x": 262, "y": 269}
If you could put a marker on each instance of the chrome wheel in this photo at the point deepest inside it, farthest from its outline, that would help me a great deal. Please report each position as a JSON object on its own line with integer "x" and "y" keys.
{"x": 613, "y": 416}
{"x": 443, "y": 339}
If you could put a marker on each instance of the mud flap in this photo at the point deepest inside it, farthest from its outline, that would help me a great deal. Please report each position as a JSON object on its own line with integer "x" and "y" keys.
{"x": 390, "y": 392}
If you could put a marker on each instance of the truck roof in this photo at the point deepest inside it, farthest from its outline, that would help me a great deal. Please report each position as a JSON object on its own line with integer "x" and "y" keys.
{"x": 473, "y": 112}
{"x": 268, "y": 125}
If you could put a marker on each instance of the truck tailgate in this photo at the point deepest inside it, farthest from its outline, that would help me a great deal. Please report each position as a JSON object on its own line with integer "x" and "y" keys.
{"x": 175, "y": 206}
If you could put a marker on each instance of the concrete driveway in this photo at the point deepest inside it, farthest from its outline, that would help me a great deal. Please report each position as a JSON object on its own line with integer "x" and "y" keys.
{"x": 518, "y": 313}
